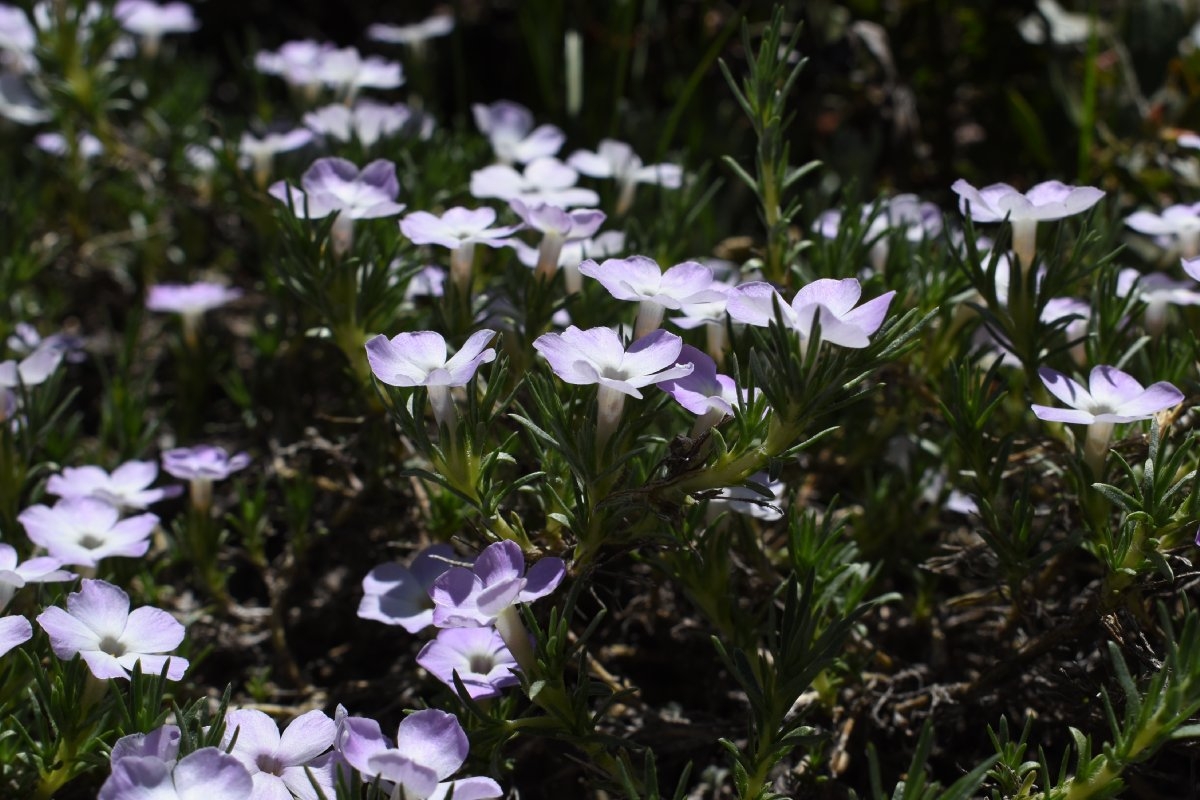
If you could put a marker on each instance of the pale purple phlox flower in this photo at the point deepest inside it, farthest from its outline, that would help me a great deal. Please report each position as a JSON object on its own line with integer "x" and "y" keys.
{"x": 467, "y": 598}
{"x": 398, "y": 595}
{"x": 1112, "y": 396}
{"x": 336, "y": 185}
{"x": 206, "y": 774}
{"x": 189, "y": 299}
{"x": 367, "y": 122}
{"x": 827, "y": 301}
{"x": 126, "y": 488}
{"x": 280, "y": 764}
{"x": 479, "y": 657}
{"x": 509, "y": 128}
{"x": 16, "y": 574}
{"x": 430, "y": 747}
{"x": 15, "y": 630}
{"x": 414, "y": 34}
{"x": 616, "y": 160}
{"x": 544, "y": 180}
{"x": 80, "y": 531}
{"x": 1179, "y": 222}
{"x": 203, "y": 462}
{"x": 98, "y": 626}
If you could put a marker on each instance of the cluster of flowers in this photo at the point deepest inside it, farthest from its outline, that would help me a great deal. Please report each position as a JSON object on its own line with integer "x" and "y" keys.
{"x": 480, "y": 638}
{"x": 144, "y": 22}
{"x": 314, "y": 753}
{"x": 86, "y": 525}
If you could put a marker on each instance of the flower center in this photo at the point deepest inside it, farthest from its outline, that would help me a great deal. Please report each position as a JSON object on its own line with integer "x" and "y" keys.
{"x": 112, "y": 645}
{"x": 481, "y": 663}
{"x": 90, "y": 541}
{"x": 268, "y": 763}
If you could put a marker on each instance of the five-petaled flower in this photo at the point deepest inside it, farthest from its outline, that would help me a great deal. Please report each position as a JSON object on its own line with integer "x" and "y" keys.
{"x": 280, "y": 765}
{"x": 398, "y": 595}
{"x": 16, "y": 574}
{"x": 1180, "y": 222}
{"x": 126, "y": 488}
{"x": 1111, "y": 397}
{"x": 829, "y": 302}
{"x": 338, "y": 186}
{"x": 641, "y": 280}
{"x": 459, "y": 230}
{"x": 509, "y": 127}
{"x": 80, "y": 531}
{"x": 617, "y": 160}
{"x": 200, "y": 466}
{"x": 477, "y": 655}
{"x": 110, "y": 638}
{"x": 206, "y": 774}
{"x": 430, "y": 747}
{"x": 598, "y": 356}
{"x": 1044, "y": 202}
{"x": 419, "y": 359}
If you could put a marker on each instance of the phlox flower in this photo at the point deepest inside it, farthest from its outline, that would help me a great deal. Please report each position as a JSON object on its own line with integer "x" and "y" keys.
{"x": 206, "y": 774}
{"x": 80, "y": 531}
{"x": 25, "y": 340}
{"x": 98, "y": 626}
{"x": 335, "y": 185}
{"x": 277, "y": 763}
{"x": 18, "y": 38}
{"x": 203, "y": 462}
{"x": 827, "y": 301}
{"x": 414, "y": 35}
{"x": 1180, "y": 222}
{"x": 478, "y": 655}
{"x": 15, "y": 575}
{"x": 474, "y": 597}
{"x": 367, "y": 122}
{"x": 1111, "y": 396}
{"x": 161, "y": 743}
{"x": 544, "y": 180}
{"x": 15, "y": 630}
{"x": 1158, "y": 291}
{"x": 33, "y": 370}
{"x": 1050, "y": 200}
{"x": 598, "y": 356}
{"x": 297, "y": 62}
{"x": 557, "y": 227}
{"x": 459, "y": 230}
{"x": 346, "y": 71}
{"x": 190, "y": 301}
{"x": 338, "y": 186}
{"x": 616, "y": 160}
{"x": 419, "y": 359}
{"x": 126, "y": 488}
{"x": 705, "y": 393}
{"x": 904, "y": 213}
{"x": 641, "y": 280}
{"x": 200, "y": 465}
{"x": 429, "y": 281}
{"x": 398, "y": 595}
{"x": 430, "y": 747}
{"x": 259, "y": 153}
{"x": 150, "y": 21}
{"x": 189, "y": 298}
{"x": 509, "y": 128}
